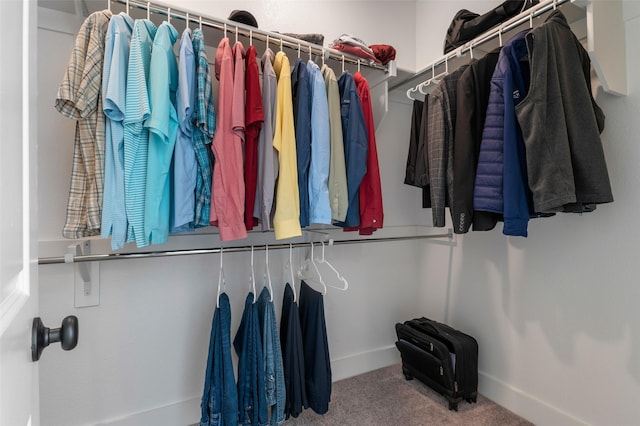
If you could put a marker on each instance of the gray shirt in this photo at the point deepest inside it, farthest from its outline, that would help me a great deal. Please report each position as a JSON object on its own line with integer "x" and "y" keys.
{"x": 267, "y": 155}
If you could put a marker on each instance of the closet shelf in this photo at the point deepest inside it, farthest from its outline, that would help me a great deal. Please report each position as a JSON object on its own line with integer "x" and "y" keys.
{"x": 233, "y": 28}
{"x": 323, "y": 237}
{"x": 604, "y": 33}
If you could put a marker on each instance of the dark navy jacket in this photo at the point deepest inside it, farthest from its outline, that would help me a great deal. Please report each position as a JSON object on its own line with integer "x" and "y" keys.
{"x": 354, "y": 134}
{"x": 517, "y": 196}
{"x": 302, "y": 123}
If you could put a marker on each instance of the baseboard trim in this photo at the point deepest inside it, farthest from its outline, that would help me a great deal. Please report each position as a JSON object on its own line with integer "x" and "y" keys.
{"x": 362, "y": 362}
{"x": 525, "y": 405}
{"x": 180, "y": 413}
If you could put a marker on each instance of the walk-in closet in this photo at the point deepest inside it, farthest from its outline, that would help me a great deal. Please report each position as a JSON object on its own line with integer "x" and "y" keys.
{"x": 554, "y": 312}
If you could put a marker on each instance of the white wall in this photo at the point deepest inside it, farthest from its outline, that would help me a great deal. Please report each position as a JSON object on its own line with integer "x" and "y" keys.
{"x": 556, "y": 313}
{"x": 142, "y": 351}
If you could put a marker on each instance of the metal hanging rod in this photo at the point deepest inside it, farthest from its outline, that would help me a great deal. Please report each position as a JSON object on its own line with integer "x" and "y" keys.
{"x": 524, "y": 17}
{"x": 252, "y": 33}
{"x": 191, "y": 252}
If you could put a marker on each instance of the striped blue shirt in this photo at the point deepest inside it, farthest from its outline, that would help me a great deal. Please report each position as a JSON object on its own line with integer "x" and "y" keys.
{"x": 114, "y": 80}
{"x": 136, "y": 136}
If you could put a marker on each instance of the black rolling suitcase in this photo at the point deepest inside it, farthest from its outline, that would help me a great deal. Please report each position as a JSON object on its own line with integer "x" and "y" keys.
{"x": 440, "y": 356}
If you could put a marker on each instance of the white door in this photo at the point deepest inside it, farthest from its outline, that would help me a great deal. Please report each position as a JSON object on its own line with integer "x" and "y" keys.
{"x": 18, "y": 262}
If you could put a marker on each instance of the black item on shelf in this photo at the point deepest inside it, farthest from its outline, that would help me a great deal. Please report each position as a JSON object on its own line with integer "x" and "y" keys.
{"x": 467, "y": 25}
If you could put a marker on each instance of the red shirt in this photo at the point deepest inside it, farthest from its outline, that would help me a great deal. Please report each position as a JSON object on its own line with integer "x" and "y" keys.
{"x": 254, "y": 116}
{"x": 371, "y": 213}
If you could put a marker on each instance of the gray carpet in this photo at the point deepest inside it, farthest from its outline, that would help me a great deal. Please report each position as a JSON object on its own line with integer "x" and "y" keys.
{"x": 383, "y": 397}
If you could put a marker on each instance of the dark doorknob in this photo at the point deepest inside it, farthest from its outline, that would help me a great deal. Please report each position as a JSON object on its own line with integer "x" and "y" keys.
{"x": 42, "y": 336}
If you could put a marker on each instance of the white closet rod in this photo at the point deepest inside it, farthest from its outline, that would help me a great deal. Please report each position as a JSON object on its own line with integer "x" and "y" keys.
{"x": 526, "y": 16}
{"x": 188, "y": 252}
{"x": 249, "y": 32}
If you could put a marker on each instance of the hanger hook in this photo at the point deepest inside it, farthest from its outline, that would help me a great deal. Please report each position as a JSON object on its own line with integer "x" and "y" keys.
{"x": 250, "y": 37}
{"x": 186, "y": 22}
{"x": 200, "y": 22}
{"x": 266, "y": 251}
{"x": 253, "y": 277}
{"x": 267, "y": 42}
{"x": 358, "y": 65}
{"x": 281, "y": 45}
{"x": 322, "y": 53}
{"x": 220, "y": 279}
{"x": 342, "y": 63}
{"x": 310, "y": 53}
{"x": 109, "y": 5}
{"x": 168, "y": 15}
{"x": 225, "y": 30}
{"x": 127, "y": 7}
{"x": 148, "y": 10}
{"x": 293, "y": 282}
{"x": 236, "y": 34}
{"x": 298, "y": 50}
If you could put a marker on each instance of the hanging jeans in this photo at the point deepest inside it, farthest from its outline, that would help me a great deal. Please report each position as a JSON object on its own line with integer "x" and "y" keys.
{"x": 219, "y": 399}
{"x": 317, "y": 365}
{"x": 252, "y": 403}
{"x": 292, "y": 356}
{"x": 272, "y": 356}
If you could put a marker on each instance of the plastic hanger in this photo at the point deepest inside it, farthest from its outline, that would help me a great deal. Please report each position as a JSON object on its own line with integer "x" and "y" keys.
{"x": 200, "y": 23}
{"x": 268, "y": 274}
{"x": 148, "y": 10}
{"x": 186, "y": 21}
{"x": 109, "y": 5}
{"x": 250, "y": 37}
{"x": 221, "y": 282}
{"x": 340, "y": 277}
{"x": 293, "y": 281}
{"x": 253, "y": 277}
{"x": 127, "y": 7}
{"x": 168, "y": 15}
{"x": 304, "y": 269}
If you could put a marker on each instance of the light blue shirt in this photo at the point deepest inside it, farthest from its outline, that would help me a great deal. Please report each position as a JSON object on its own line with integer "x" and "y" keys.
{"x": 114, "y": 81}
{"x": 185, "y": 167}
{"x": 136, "y": 136}
{"x": 319, "y": 207}
{"x": 163, "y": 128}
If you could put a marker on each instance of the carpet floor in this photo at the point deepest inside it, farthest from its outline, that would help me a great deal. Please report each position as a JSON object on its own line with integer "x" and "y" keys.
{"x": 384, "y": 398}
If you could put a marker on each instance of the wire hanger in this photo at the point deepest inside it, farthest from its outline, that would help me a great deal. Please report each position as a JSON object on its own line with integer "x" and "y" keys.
{"x": 268, "y": 274}
{"x": 221, "y": 282}
{"x": 340, "y": 277}
{"x": 293, "y": 281}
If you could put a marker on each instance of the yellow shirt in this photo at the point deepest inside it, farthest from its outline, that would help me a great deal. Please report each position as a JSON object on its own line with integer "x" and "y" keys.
{"x": 286, "y": 222}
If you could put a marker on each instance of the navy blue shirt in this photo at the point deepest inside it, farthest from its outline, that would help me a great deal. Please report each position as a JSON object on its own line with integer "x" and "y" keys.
{"x": 354, "y": 135}
{"x": 302, "y": 124}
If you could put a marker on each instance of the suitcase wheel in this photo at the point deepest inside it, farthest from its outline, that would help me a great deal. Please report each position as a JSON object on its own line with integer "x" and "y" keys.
{"x": 453, "y": 405}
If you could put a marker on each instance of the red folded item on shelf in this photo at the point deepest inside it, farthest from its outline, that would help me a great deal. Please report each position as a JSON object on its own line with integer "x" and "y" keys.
{"x": 383, "y": 52}
{"x": 356, "y": 51}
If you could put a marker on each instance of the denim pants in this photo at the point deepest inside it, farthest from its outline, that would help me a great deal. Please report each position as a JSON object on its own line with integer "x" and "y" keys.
{"x": 317, "y": 365}
{"x": 292, "y": 356}
{"x": 219, "y": 399}
{"x": 252, "y": 403}
{"x": 272, "y": 355}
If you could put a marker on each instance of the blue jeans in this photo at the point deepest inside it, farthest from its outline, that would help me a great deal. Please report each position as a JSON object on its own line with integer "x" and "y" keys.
{"x": 219, "y": 399}
{"x": 252, "y": 404}
{"x": 272, "y": 355}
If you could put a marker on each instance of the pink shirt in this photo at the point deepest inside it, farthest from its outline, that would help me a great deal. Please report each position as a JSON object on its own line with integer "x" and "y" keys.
{"x": 227, "y": 202}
